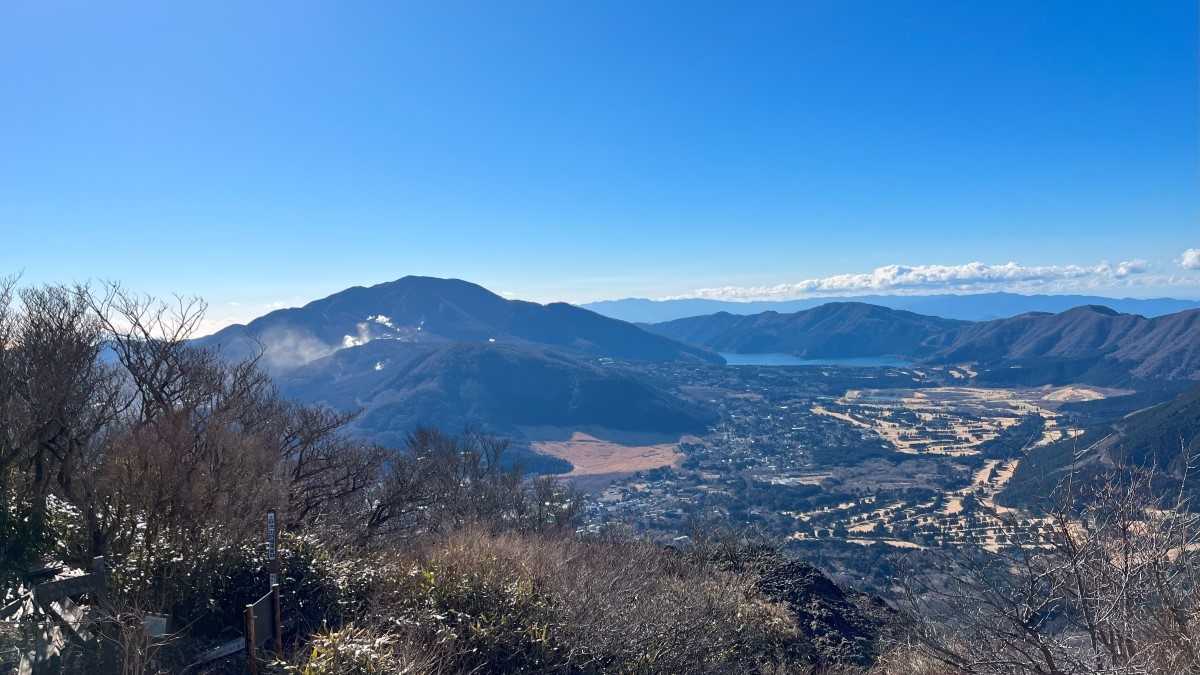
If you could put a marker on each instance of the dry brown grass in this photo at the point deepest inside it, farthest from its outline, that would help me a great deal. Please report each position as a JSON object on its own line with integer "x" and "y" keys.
{"x": 970, "y": 416}
{"x": 904, "y": 660}
{"x": 476, "y": 600}
{"x": 601, "y": 451}
{"x": 1081, "y": 393}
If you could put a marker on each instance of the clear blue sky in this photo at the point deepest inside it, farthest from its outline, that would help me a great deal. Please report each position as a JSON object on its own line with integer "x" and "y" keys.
{"x": 274, "y": 152}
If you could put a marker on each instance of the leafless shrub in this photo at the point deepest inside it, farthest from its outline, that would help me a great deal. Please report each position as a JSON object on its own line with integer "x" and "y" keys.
{"x": 1106, "y": 584}
{"x": 120, "y": 438}
{"x": 57, "y": 399}
{"x": 440, "y": 482}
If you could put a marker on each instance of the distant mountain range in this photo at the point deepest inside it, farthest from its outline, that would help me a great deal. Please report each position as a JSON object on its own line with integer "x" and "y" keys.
{"x": 834, "y": 330}
{"x": 976, "y": 307}
{"x": 1085, "y": 344}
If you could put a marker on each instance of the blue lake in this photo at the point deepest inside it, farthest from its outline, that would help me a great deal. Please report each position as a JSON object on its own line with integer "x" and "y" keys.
{"x": 789, "y": 360}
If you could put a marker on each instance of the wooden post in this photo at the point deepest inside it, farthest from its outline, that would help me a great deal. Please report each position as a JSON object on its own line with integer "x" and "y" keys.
{"x": 100, "y": 571}
{"x": 278, "y": 623}
{"x": 250, "y": 657}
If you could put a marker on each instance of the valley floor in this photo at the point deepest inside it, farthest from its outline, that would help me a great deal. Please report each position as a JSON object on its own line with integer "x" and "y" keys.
{"x": 906, "y": 458}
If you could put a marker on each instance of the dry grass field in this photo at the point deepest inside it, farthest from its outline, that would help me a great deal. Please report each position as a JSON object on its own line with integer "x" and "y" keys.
{"x": 953, "y": 421}
{"x": 949, "y": 422}
{"x": 594, "y": 451}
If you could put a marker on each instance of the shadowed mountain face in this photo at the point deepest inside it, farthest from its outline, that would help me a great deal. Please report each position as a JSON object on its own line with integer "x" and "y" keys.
{"x": 1166, "y": 436}
{"x": 423, "y": 310}
{"x": 496, "y": 387}
{"x": 1090, "y": 343}
{"x": 835, "y": 330}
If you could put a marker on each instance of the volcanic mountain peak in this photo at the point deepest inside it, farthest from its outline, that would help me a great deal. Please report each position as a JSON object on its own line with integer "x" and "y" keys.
{"x": 430, "y": 310}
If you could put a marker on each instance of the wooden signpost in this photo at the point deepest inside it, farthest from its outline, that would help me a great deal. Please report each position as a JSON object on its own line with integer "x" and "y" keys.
{"x": 272, "y": 549}
{"x": 263, "y": 616}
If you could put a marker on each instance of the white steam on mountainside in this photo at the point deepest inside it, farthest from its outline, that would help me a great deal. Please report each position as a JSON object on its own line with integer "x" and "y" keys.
{"x": 367, "y": 332}
{"x": 363, "y": 337}
{"x": 286, "y": 348}
{"x": 975, "y": 277}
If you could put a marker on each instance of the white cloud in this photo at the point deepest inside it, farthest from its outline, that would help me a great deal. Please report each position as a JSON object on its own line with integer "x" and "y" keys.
{"x": 1190, "y": 260}
{"x": 1138, "y": 266}
{"x": 975, "y": 277}
{"x": 211, "y": 324}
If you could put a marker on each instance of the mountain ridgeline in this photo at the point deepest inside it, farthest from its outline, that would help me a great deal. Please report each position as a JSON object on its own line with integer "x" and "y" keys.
{"x": 1086, "y": 344}
{"x": 424, "y": 310}
{"x": 452, "y": 354}
{"x": 834, "y": 330}
{"x": 1090, "y": 344}
{"x": 973, "y": 307}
